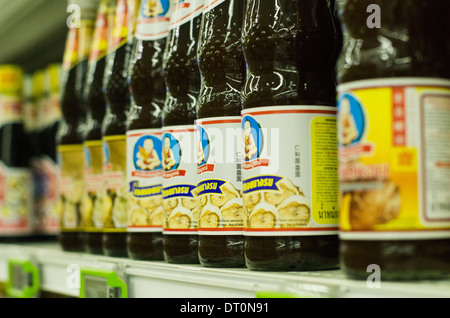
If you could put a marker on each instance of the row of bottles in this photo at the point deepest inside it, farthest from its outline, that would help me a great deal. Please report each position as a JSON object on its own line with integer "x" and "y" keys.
{"x": 170, "y": 167}
{"x": 29, "y": 117}
{"x": 272, "y": 135}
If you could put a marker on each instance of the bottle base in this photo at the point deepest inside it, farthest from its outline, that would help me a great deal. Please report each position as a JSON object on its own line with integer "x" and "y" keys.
{"x": 292, "y": 253}
{"x": 145, "y": 246}
{"x": 114, "y": 244}
{"x": 180, "y": 249}
{"x": 221, "y": 251}
{"x": 396, "y": 260}
{"x": 71, "y": 241}
{"x": 94, "y": 243}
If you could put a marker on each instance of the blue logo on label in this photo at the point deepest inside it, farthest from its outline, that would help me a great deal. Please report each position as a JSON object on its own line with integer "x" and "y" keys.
{"x": 253, "y": 138}
{"x": 351, "y": 119}
{"x": 203, "y": 146}
{"x": 147, "y": 153}
{"x": 87, "y": 157}
{"x": 210, "y": 186}
{"x": 179, "y": 190}
{"x": 171, "y": 152}
{"x": 105, "y": 153}
{"x": 142, "y": 192}
{"x": 152, "y": 8}
{"x": 260, "y": 183}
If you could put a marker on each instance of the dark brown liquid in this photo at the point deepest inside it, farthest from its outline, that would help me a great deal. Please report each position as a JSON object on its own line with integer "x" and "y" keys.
{"x": 415, "y": 30}
{"x": 114, "y": 123}
{"x": 15, "y": 150}
{"x": 182, "y": 80}
{"x": 70, "y": 132}
{"x": 96, "y": 105}
{"x": 148, "y": 91}
{"x": 222, "y": 65}
{"x": 295, "y": 42}
{"x": 420, "y": 51}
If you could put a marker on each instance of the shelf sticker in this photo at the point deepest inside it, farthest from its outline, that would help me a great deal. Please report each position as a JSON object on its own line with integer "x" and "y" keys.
{"x": 23, "y": 279}
{"x": 274, "y": 294}
{"x": 101, "y": 283}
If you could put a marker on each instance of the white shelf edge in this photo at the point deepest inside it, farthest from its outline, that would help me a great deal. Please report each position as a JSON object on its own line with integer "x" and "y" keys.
{"x": 156, "y": 279}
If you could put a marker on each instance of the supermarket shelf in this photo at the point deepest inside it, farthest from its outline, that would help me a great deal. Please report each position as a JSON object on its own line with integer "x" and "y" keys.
{"x": 162, "y": 280}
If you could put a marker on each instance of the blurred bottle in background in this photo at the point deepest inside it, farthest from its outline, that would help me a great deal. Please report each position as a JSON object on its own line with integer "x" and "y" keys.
{"x": 71, "y": 130}
{"x": 222, "y": 67}
{"x": 49, "y": 118}
{"x": 144, "y": 149}
{"x": 17, "y": 218}
{"x": 394, "y": 119}
{"x": 117, "y": 94}
{"x": 96, "y": 108}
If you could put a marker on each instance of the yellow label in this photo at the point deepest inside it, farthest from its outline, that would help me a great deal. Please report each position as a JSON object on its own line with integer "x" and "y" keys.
{"x": 71, "y": 50}
{"x": 99, "y": 45}
{"x": 115, "y": 198}
{"x": 85, "y": 39}
{"x": 394, "y": 160}
{"x": 93, "y": 176}
{"x": 120, "y": 27}
{"x": 71, "y": 187}
{"x": 11, "y": 79}
{"x": 324, "y": 170}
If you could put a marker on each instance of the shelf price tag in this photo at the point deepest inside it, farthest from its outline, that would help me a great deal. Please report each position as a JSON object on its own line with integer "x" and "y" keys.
{"x": 274, "y": 294}
{"x": 303, "y": 290}
{"x": 101, "y": 283}
{"x": 23, "y": 279}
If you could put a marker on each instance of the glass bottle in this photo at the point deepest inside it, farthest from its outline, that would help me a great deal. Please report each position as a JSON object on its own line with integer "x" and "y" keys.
{"x": 17, "y": 218}
{"x": 116, "y": 90}
{"x": 182, "y": 79}
{"x": 222, "y": 67}
{"x": 69, "y": 139}
{"x": 290, "y": 182}
{"x": 144, "y": 156}
{"x": 95, "y": 112}
{"x": 394, "y": 111}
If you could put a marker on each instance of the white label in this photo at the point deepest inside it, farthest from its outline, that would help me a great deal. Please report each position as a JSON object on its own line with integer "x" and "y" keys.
{"x": 144, "y": 171}
{"x": 16, "y": 201}
{"x": 290, "y": 170}
{"x": 435, "y": 115}
{"x": 179, "y": 180}
{"x": 45, "y": 175}
{"x": 211, "y": 4}
{"x": 219, "y": 170}
{"x": 154, "y": 19}
{"x": 185, "y": 11}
